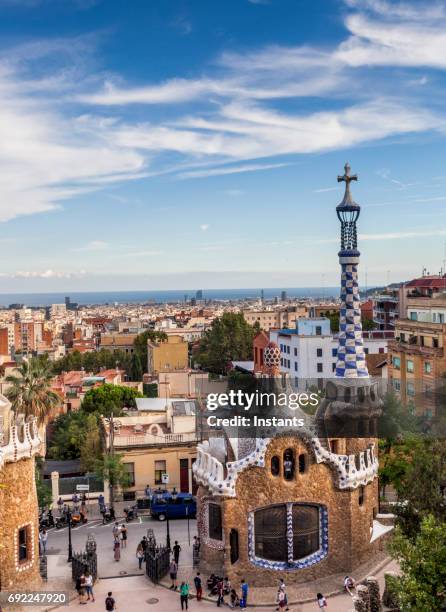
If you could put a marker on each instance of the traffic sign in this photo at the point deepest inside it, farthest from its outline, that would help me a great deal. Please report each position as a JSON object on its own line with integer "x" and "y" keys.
{"x": 165, "y": 478}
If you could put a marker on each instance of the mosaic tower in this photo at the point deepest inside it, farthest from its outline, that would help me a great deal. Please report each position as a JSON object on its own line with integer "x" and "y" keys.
{"x": 351, "y": 362}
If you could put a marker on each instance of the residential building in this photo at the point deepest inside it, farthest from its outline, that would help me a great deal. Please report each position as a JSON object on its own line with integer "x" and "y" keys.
{"x": 270, "y": 319}
{"x": 115, "y": 342}
{"x": 386, "y": 309}
{"x": 158, "y": 440}
{"x": 168, "y": 355}
{"x": 310, "y": 351}
{"x": 417, "y": 361}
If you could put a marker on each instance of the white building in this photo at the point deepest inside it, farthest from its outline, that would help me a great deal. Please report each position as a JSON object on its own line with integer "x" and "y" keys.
{"x": 309, "y": 352}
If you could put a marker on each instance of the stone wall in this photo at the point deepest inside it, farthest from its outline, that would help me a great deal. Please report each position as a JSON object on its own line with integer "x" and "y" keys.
{"x": 348, "y": 523}
{"x": 18, "y": 508}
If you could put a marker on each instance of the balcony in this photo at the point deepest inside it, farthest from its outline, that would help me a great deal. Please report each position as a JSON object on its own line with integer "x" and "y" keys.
{"x": 146, "y": 439}
{"x": 397, "y": 346}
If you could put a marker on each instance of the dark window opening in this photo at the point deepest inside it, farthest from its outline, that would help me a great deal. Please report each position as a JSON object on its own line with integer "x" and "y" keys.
{"x": 319, "y": 352}
{"x": 361, "y": 495}
{"x": 275, "y": 465}
{"x": 233, "y": 541}
{"x": 215, "y": 522}
{"x": 24, "y": 544}
{"x": 334, "y": 446}
{"x": 302, "y": 463}
{"x": 305, "y": 530}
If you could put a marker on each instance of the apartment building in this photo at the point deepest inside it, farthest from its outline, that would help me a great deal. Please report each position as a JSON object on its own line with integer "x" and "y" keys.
{"x": 270, "y": 319}
{"x": 167, "y": 356}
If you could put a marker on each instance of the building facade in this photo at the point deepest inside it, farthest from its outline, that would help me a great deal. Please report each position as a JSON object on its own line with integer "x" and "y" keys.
{"x": 19, "y": 525}
{"x": 294, "y": 503}
{"x": 167, "y": 356}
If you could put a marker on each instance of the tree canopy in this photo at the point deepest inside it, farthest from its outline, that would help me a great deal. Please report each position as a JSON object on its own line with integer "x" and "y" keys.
{"x": 229, "y": 338}
{"x": 30, "y": 390}
{"x": 108, "y": 399}
{"x": 140, "y": 344}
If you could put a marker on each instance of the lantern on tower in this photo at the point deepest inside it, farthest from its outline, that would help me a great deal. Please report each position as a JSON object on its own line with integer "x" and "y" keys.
{"x": 348, "y": 213}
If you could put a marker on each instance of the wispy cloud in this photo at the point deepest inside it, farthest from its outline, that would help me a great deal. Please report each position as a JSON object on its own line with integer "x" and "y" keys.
{"x": 230, "y": 170}
{"x": 94, "y": 245}
{"x": 204, "y": 227}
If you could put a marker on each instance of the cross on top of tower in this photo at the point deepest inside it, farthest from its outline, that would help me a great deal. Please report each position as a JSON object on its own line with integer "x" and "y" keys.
{"x": 347, "y": 178}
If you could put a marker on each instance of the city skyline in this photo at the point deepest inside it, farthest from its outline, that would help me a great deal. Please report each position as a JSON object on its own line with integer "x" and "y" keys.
{"x": 168, "y": 147}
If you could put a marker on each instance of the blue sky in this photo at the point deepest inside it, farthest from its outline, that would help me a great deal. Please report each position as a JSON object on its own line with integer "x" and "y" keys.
{"x": 187, "y": 144}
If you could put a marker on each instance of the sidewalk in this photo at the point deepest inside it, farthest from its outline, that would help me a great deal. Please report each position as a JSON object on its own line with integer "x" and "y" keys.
{"x": 133, "y": 594}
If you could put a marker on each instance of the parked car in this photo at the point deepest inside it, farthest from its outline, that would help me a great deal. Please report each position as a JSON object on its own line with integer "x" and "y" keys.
{"x": 181, "y": 505}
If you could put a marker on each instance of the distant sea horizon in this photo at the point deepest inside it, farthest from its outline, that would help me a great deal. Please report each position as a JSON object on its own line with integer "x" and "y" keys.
{"x": 89, "y": 298}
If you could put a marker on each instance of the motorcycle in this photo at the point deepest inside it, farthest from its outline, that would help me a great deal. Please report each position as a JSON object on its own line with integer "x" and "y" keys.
{"x": 46, "y": 520}
{"x": 78, "y": 518}
{"x": 130, "y": 513}
{"x": 61, "y": 521}
{"x": 108, "y": 515}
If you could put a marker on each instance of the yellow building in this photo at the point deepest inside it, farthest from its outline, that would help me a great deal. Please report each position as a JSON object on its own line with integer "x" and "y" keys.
{"x": 167, "y": 356}
{"x": 160, "y": 440}
{"x": 283, "y": 318}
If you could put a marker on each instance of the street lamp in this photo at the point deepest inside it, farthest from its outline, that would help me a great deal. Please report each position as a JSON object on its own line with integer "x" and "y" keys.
{"x": 70, "y": 547}
{"x": 167, "y": 529}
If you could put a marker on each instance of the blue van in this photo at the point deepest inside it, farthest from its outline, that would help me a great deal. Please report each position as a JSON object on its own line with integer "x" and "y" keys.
{"x": 181, "y": 505}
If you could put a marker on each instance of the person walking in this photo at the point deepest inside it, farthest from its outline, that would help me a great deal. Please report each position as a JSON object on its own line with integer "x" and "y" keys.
{"x": 89, "y": 585}
{"x": 198, "y": 586}
{"x": 234, "y": 601}
{"x": 117, "y": 550}
{"x": 144, "y": 543}
{"x": 101, "y": 502}
{"x": 140, "y": 555}
{"x": 116, "y": 531}
{"x": 321, "y": 601}
{"x": 244, "y": 597}
{"x": 123, "y": 536}
{"x": 184, "y": 595}
{"x": 176, "y": 552}
{"x": 282, "y": 588}
{"x": 43, "y": 538}
{"x": 173, "y": 569}
{"x": 110, "y": 604}
{"x": 281, "y": 600}
{"x": 81, "y": 590}
{"x": 220, "y": 592}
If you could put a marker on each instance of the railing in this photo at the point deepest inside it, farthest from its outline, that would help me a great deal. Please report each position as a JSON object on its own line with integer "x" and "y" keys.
{"x": 151, "y": 440}
{"x": 157, "y": 562}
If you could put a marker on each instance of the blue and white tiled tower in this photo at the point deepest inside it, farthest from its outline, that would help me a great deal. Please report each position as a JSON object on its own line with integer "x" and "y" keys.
{"x": 351, "y": 361}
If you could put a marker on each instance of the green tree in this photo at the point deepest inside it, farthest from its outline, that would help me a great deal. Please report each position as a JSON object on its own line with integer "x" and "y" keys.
{"x": 91, "y": 448}
{"x": 368, "y": 324}
{"x": 44, "y": 493}
{"x": 68, "y": 436}
{"x": 229, "y": 338}
{"x": 422, "y": 585}
{"x": 111, "y": 467}
{"x": 108, "y": 399}
{"x": 140, "y": 344}
{"x": 136, "y": 370}
{"x": 30, "y": 390}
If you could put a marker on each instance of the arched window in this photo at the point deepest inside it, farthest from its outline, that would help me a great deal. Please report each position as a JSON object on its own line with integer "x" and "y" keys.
{"x": 361, "y": 495}
{"x": 275, "y": 465}
{"x": 347, "y": 394}
{"x": 302, "y": 463}
{"x": 288, "y": 464}
{"x": 270, "y": 532}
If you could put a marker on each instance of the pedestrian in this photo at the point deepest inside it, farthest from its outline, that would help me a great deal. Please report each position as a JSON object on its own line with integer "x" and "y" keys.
{"x": 184, "y": 595}
{"x": 198, "y": 586}
{"x": 84, "y": 505}
{"x": 148, "y": 491}
{"x": 75, "y": 500}
{"x": 123, "y": 536}
{"x": 288, "y": 467}
{"x": 116, "y": 531}
{"x": 110, "y": 604}
{"x": 82, "y": 586}
{"x": 43, "y": 538}
{"x": 89, "y": 585}
{"x": 282, "y": 588}
{"x": 60, "y": 505}
{"x": 173, "y": 569}
{"x": 176, "y": 552}
{"x": 220, "y": 599}
{"x": 140, "y": 555}
{"x": 349, "y": 585}
{"x": 234, "y": 601}
{"x": 144, "y": 544}
{"x": 322, "y": 602}
{"x": 226, "y": 586}
{"x": 101, "y": 502}
{"x": 117, "y": 550}
{"x": 79, "y": 588}
{"x": 244, "y": 597}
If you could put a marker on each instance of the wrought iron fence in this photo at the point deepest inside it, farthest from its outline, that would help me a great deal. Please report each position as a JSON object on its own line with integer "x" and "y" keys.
{"x": 85, "y": 561}
{"x": 157, "y": 562}
{"x": 67, "y": 486}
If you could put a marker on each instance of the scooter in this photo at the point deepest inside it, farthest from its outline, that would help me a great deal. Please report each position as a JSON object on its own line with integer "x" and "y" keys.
{"x": 108, "y": 516}
{"x": 130, "y": 513}
{"x": 78, "y": 518}
{"x": 61, "y": 521}
{"x": 46, "y": 520}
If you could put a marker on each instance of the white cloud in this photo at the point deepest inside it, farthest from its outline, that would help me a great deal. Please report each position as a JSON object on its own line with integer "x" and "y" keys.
{"x": 229, "y": 170}
{"x": 204, "y": 227}
{"x": 46, "y": 274}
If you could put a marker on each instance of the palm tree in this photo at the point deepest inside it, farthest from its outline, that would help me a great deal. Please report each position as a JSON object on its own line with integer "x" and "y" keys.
{"x": 30, "y": 390}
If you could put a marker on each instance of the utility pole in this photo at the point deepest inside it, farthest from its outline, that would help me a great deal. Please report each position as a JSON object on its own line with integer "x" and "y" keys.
{"x": 111, "y": 454}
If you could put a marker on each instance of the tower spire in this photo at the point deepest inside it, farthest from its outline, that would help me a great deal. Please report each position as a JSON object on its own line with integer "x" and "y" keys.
{"x": 351, "y": 361}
